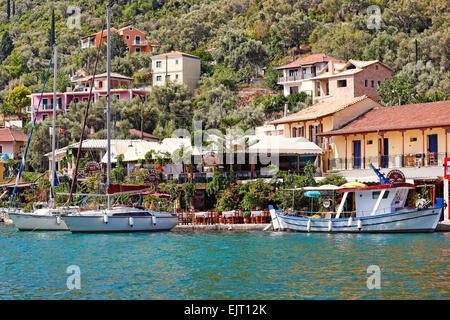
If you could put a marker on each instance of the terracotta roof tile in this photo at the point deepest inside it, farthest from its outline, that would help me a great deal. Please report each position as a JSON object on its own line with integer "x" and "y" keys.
{"x": 321, "y": 109}
{"x": 411, "y": 116}
{"x": 11, "y": 135}
{"x": 314, "y": 58}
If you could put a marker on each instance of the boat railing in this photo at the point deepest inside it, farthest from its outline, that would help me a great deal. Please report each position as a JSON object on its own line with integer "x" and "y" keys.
{"x": 332, "y": 214}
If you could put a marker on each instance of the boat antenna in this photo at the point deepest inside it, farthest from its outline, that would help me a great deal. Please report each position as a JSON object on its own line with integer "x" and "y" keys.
{"x": 383, "y": 179}
{"x": 22, "y": 164}
{"x": 74, "y": 178}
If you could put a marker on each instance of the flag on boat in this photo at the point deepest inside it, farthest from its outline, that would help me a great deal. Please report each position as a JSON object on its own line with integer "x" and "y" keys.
{"x": 55, "y": 179}
{"x": 117, "y": 124}
{"x": 62, "y": 130}
{"x": 159, "y": 167}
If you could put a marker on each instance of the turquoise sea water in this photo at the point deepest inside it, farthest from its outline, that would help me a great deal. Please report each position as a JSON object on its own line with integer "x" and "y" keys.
{"x": 247, "y": 265}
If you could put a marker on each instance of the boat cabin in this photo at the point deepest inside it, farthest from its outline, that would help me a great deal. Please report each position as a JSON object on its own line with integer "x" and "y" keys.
{"x": 373, "y": 200}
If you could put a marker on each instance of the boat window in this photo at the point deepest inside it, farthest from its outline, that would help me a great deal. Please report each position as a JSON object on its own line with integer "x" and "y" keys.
{"x": 376, "y": 194}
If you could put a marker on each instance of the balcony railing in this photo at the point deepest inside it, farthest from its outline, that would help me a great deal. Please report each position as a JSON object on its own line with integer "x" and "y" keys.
{"x": 391, "y": 161}
{"x": 294, "y": 78}
{"x": 44, "y": 107}
{"x": 139, "y": 43}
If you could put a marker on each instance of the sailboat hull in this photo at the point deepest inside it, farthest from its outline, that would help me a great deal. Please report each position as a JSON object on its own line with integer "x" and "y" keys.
{"x": 33, "y": 222}
{"x": 98, "y": 223}
{"x": 407, "y": 221}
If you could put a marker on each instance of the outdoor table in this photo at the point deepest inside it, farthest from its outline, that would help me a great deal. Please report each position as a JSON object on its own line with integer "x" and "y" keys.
{"x": 230, "y": 215}
{"x": 257, "y": 214}
{"x": 200, "y": 215}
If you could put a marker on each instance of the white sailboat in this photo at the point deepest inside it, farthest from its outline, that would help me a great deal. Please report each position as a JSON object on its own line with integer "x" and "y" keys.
{"x": 45, "y": 217}
{"x": 378, "y": 209}
{"x": 118, "y": 218}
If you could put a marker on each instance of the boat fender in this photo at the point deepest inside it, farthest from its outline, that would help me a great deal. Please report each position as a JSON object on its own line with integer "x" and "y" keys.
{"x": 130, "y": 221}
{"x": 154, "y": 220}
{"x": 58, "y": 220}
{"x": 359, "y": 224}
{"x": 329, "y": 225}
{"x": 308, "y": 225}
{"x": 105, "y": 218}
{"x": 350, "y": 221}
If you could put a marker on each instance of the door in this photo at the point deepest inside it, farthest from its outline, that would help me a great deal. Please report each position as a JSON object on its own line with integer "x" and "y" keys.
{"x": 432, "y": 149}
{"x": 356, "y": 154}
{"x": 386, "y": 153}
{"x": 384, "y": 159}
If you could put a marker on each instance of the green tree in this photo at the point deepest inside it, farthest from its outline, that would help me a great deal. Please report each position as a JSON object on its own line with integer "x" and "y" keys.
{"x": 173, "y": 102}
{"x": 398, "y": 91}
{"x": 51, "y": 32}
{"x": 237, "y": 51}
{"x": 343, "y": 41}
{"x": 18, "y": 99}
{"x": 294, "y": 29}
{"x": 6, "y": 46}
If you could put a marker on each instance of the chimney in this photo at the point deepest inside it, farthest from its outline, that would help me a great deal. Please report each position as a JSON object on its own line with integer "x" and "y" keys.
{"x": 92, "y": 132}
{"x": 331, "y": 67}
{"x": 285, "y": 109}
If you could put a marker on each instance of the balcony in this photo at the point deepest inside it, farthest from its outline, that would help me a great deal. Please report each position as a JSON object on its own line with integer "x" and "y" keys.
{"x": 139, "y": 43}
{"x": 44, "y": 107}
{"x": 282, "y": 80}
{"x": 431, "y": 159}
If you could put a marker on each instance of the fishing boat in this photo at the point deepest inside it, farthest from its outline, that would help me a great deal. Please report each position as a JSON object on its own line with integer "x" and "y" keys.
{"x": 117, "y": 218}
{"x": 381, "y": 208}
{"x": 44, "y": 216}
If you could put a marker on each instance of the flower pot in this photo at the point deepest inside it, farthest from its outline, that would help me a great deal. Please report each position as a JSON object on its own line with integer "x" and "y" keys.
{"x": 245, "y": 220}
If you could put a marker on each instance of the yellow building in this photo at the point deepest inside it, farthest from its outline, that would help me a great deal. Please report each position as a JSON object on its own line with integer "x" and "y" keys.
{"x": 176, "y": 66}
{"x": 413, "y": 135}
{"x": 325, "y": 117}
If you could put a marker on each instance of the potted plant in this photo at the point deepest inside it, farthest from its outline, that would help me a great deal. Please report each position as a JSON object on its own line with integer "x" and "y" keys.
{"x": 246, "y": 214}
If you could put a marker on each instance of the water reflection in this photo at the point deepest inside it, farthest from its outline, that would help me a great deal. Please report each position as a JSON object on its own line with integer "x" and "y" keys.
{"x": 222, "y": 265}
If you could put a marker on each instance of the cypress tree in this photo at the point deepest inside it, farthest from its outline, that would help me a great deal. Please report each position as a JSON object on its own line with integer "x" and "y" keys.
{"x": 14, "y": 8}
{"x": 8, "y": 8}
{"x": 6, "y": 46}
{"x": 51, "y": 32}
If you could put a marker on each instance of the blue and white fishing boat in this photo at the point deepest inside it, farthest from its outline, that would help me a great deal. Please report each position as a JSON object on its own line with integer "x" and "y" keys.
{"x": 382, "y": 208}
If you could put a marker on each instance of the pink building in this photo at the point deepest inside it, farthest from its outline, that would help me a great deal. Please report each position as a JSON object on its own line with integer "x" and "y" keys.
{"x": 297, "y": 75}
{"x": 121, "y": 88}
{"x": 349, "y": 80}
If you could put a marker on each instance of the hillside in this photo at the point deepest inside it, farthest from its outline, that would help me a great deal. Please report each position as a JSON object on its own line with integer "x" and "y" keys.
{"x": 242, "y": 37}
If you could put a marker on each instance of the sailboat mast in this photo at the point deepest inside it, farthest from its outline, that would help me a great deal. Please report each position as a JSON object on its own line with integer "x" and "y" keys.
{"x": 108, "y": 100}
{"x": 52, "y": 193}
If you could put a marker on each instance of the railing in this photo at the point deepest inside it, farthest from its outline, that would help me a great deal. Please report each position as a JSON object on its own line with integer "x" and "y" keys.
{"x": 44, "y": 107}
{"x": 294, "y": 78}
{"x": 139, "y": 43}
{"x": 391, "y": 161}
